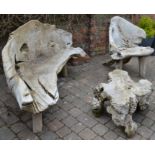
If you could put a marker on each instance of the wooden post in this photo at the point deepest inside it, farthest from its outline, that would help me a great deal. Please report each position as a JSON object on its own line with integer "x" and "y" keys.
{"x": 37, "y": 122}
{"x": 142, "y": 66}
{"x": 65, "y": 71}
{"x": 119, "y": 65}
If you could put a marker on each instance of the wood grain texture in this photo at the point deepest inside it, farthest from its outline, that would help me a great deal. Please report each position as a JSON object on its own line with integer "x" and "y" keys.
{"x": 33, "y": 56}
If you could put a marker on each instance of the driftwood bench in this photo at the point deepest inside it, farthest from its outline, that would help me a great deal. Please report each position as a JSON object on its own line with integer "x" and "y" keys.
{"x": 124, "y": 96}
{"x": 142, "y": 54}
{"x": 124, "y": 40}
{"x": 33, "y": 56}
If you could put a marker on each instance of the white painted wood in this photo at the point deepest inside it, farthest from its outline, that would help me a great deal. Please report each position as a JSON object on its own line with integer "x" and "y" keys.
{"x": 33, "y": 56}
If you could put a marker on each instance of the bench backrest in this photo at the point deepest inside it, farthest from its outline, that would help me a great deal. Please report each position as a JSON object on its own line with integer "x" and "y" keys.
{"x": 35, "y": 38}
{"x": 123, "y": 34}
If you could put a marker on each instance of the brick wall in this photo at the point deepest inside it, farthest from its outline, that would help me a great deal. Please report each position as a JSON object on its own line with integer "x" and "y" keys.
{"x": 99, "y": 32}
{"x": 90, "y": 32}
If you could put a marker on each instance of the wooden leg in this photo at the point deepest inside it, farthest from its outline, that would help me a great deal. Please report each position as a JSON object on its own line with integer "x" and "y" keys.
{"x": 65, "y": 71}
{"x": 119, "y": 65}
{"x": 142, "y": 66}
{"x": 37, "y": 122}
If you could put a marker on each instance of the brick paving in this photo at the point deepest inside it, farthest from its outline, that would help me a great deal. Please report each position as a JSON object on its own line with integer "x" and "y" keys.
{"x": 72, "y": 118}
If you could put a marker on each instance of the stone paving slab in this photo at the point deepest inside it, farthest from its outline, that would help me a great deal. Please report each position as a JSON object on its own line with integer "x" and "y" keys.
{"x": 100, "y": 129}
{"x": 110, "y": 135}
{"x": 63, "y": 132}
{"x": 6, "y": 134}
{"x": 49, "y": 135}
{"x": 72, "y": 136}
{"x": 72, "y": 118}
{"x": 87, "y": 134}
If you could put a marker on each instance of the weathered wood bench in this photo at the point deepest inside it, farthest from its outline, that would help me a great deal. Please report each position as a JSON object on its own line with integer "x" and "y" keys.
{"x": 33, "y": 56}
{"x": 142, "y": 54}
{"x": 124, "y": 96}
{"x": 124, "y": 40}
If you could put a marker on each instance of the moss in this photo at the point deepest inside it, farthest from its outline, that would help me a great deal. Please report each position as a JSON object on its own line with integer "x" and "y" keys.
{"x": 98, "y": 111}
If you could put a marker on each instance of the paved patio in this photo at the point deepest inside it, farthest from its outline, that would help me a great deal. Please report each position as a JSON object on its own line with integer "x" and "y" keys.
{"x": 72, "y": 118}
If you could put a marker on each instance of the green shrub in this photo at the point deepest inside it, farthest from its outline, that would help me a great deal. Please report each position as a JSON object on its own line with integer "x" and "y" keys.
{"x": 148, "y": 24}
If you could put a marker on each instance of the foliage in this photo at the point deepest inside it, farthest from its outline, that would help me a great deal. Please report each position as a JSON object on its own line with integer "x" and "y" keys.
{"x": 9, "y": 22}
{"x": 148, "y": 24}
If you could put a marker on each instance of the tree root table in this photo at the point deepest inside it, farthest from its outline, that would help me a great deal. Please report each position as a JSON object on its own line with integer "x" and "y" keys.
{"x": 124, "y": 96}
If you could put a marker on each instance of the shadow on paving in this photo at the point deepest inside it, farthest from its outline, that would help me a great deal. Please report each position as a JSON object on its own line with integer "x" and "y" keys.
{"x": 71, "y": 117}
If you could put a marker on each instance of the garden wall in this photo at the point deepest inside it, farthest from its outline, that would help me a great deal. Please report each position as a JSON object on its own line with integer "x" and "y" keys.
{"x": 90, "y": 32}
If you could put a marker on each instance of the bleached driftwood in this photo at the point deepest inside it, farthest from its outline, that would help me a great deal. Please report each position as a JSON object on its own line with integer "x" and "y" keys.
{"x": 33, "y": 56}
{"x": 125, "y": 96}
{"x": 123, "y": 35}
{"x": 132, "y": 52}
{"x": 124, "y": 40}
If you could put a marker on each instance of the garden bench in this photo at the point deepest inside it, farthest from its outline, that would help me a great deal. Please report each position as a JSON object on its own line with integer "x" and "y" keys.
{"x": 33, "y": 56}
{"x": 124, "y": 40}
